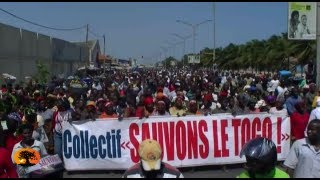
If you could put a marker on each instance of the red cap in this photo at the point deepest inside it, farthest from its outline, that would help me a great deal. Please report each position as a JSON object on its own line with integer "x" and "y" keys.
{"x": 208, "y": 97}
{"x": 122, "y": 93}
{"x": 148, "y": 100}
{"x": 40, "y": 98}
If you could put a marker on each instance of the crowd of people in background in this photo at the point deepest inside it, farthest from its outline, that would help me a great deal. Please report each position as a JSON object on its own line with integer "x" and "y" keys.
{"x": 32, "y": 113}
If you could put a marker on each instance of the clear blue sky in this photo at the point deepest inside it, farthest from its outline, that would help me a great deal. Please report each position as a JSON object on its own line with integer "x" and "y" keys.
{"x": 135, "y": 29}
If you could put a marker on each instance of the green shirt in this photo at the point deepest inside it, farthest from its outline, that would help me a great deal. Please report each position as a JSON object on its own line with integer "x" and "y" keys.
{"x": 276, "y": 173}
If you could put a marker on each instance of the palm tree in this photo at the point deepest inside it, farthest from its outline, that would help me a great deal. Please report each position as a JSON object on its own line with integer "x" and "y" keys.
{"x": 305, "y": 51}
{"x": 271, "y": 54}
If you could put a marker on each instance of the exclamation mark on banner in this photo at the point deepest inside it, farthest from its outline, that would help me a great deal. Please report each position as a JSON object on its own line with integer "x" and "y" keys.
{"x": 279, "y": 120}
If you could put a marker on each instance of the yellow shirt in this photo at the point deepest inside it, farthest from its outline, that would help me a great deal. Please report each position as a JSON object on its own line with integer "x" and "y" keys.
{"x": 314, "y": 102}
{"x": 174, "y": 111}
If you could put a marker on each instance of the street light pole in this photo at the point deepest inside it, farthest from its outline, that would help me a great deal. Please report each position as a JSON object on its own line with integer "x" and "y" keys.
{"x": 165, "y": 55}
{"x": 87, "y": 36}
{"x": 104, "y": 54}
{"x": 184, "y": 45}
{"x": 214, "y": 35}
{"x": 318, "y": 47}
{"x": 173, "y": 45}
{"x": 194, "y": 28}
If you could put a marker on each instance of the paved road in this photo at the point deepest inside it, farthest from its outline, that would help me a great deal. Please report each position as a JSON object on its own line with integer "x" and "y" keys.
{"x": 198, "y": 172}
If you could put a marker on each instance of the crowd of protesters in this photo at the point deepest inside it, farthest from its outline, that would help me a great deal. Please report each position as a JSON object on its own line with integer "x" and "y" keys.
{"x": 120, "y": 95}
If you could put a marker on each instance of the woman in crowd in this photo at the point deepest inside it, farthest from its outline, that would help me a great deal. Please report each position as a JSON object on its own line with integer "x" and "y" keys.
{"x": 108, "y": 111}
{"x": 62, "y": 115}
{"x": 7, "y": 169}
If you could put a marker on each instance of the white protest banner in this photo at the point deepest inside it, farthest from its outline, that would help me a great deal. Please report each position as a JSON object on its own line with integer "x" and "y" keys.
{"x": 186, "y": 141}
{"x": 45, "y": 163}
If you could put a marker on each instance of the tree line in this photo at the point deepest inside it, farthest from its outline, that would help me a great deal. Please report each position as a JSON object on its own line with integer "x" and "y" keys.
{"x": 272, "y": 54}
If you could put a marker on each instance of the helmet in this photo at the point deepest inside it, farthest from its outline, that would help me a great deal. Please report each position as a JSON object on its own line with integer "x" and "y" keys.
{"x": 261, "y": 149}
{"x": 261, "y": 155}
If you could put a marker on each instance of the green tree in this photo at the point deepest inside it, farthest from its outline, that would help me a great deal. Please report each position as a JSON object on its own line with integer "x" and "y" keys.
{"x": 42, "y": 74}
{"x": 271, "y": 54}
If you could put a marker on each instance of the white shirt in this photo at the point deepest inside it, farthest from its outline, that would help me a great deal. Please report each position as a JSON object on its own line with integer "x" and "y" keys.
{"x": 273, "y": 84}
{"x": 37, "y": 145}
{"x": 61, "y": 116}
{"x": 302, "y": 30}
{"x": 97, "y": 87}
{"x": 315, "y": 114}
{"x": 304, "y": 160}
{"x": 40, "y": 135}
{"x": 274, "y": 110}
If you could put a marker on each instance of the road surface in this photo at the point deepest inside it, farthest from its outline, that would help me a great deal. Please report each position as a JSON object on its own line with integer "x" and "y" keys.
{"x": 198, "y": 172}
{"x": 216, "y": 171}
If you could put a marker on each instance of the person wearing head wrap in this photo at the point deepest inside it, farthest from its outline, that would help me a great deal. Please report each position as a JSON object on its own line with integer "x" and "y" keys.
{"x": 149, "y": 108}
{"x": 100, "y": 105}
{"x": 163, "y": 97}
{"x": 207, "y": 103}
{"x": 108, "y": 111}
{"x": 161, "y": 109}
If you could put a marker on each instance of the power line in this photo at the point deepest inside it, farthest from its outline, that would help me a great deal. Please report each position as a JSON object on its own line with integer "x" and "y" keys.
{"x": 95, "y": 34}
{"x": 59, "y": 29}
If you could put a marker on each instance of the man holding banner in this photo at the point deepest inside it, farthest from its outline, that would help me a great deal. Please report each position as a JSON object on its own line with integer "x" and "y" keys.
{"x": 151, "y": 165}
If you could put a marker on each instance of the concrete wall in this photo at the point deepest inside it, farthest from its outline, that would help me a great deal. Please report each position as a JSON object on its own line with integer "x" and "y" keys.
{"x": 20, "y": 50}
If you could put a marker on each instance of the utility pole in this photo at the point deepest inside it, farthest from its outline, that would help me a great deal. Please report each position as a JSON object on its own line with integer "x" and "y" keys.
{"x": 184, "y": 45}
{"x": 318, "y": 46}
{"x": 87, "y": 35}
{"x": 165, "y": 56}
{"x": 214, "y": 35}
{"x": 104, "y": 53}
{"x": 194, "y": 28}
